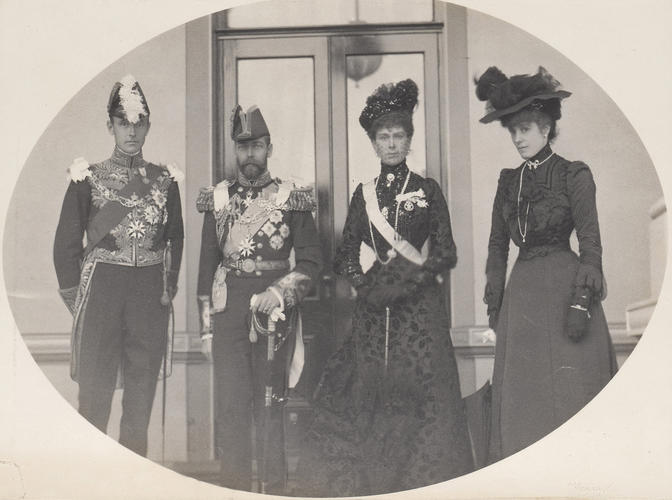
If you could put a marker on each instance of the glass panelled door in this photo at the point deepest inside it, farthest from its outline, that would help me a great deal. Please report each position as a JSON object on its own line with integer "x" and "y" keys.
{"x": 359, "y": 65}
{"x": 311, "y": 90}
{"x": 288, "y": 79}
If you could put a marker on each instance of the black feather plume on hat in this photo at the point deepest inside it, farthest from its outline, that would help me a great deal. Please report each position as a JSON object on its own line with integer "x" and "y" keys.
{"x": 509, "y": 95}
{"x": 489, "y": 82}
{"x": 387, "y": 98}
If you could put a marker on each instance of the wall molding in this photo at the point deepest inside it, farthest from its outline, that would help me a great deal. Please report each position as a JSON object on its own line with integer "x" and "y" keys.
{"x": 470, "y": 340}
{"x": 467, "y": 341}
{"x": 55, "y": 347}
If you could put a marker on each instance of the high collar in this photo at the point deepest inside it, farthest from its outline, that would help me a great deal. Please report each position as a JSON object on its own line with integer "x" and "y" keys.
{"x": 398, "y": 170}
{"x": 128, "y": 161}
{"x": 540, "y": 158}
{"x": 262, "y": 181}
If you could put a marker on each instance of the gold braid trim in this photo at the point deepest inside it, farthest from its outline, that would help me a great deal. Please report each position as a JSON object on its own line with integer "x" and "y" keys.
{"x": 301, "y": 200}
{"x": 206, "y": 200}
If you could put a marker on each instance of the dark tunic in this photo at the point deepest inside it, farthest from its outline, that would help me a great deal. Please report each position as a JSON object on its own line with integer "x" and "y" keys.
{"x": 116, "y": 285}
{"x": 240, "y": 367}
{"x": 542, "y": 377}
{"x": 379, "y": 429}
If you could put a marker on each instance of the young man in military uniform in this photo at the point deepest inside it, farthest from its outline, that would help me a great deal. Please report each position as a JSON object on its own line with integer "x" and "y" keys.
{"x": 249, "y": 229}
{"x": 119, "y": 286}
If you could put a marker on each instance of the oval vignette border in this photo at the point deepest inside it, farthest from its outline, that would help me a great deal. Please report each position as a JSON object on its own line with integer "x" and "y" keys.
{"x": 657, "y": 158}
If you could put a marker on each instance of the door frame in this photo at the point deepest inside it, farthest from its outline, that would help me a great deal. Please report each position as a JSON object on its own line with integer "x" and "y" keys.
{"x": 229, "y": 50}
{"x": 343, "y": 46}
{"x": 328, "y": 46}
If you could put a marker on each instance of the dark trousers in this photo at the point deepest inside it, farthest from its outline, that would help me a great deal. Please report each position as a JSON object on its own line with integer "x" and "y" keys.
{"x": 124, "y": 324}
{"x": 240, "y": 378}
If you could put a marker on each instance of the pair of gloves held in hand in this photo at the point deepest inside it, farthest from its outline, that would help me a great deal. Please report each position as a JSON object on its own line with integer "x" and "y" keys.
{"x": 587, "y": 285}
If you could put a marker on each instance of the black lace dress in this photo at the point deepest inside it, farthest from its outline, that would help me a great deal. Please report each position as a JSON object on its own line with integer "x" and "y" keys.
{"x": 542, "y": 377}
{"x": 389, "y": 426}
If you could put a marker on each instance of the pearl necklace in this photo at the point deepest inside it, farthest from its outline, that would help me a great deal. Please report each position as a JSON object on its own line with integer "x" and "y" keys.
{"x": 532, "y": 165}
{"x": 391, "y": 253}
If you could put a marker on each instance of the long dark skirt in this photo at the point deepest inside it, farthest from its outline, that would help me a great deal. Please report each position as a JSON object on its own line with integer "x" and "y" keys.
{"x": 542, "y": 377}
{"x": 381, "y": 428}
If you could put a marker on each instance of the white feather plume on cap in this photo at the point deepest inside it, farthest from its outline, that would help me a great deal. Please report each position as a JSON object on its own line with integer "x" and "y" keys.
{"x": 131, "y": 99}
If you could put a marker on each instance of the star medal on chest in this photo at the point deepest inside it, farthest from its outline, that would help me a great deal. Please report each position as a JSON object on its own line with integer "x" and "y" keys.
{"x": 246, "y": 247}
{"x": 248, "y": 198}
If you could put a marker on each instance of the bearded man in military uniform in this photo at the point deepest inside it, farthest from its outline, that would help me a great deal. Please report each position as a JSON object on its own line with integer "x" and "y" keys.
{"x": 119, "y": 286}
{"x": 250, "y": 227}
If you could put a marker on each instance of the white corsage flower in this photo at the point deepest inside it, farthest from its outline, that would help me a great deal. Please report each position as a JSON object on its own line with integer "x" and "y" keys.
{"x": 79, "y": 170}
{"x": 175, "y": 172}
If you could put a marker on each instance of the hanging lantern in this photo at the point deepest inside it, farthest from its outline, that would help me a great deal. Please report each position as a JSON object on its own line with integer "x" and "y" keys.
{"x": 361, "y": 66}
{"x": 358, "y": 67}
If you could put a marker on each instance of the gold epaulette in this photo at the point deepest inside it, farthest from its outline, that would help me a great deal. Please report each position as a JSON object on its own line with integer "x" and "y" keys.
{"x": 206, "y": 200}
{"x": 301, "y": 199}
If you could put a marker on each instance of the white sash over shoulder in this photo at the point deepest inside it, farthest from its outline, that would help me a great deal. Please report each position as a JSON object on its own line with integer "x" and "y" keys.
{"x": 399, "y": 244}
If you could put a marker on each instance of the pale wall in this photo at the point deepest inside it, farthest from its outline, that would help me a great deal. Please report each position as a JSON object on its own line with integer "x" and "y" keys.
{"x": 80, "y": 130}
{"x": 593, "y": 130}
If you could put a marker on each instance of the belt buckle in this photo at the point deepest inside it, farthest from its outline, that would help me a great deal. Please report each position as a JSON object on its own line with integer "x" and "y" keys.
{"x": 248, "y": 265}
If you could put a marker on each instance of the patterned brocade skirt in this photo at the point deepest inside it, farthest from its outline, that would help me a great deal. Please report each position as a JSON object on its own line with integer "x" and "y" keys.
{"x": 381, "y": 427}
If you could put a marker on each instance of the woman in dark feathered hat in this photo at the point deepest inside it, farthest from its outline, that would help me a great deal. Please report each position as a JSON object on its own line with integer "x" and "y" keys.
{"x": 553, "y": 352}
{"x": 388, "y": 410}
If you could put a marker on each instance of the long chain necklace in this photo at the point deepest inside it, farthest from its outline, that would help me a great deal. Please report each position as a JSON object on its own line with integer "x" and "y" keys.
{"x": 523, "y": 232}
{"x": 532, "y": 165}
{"x": 391, "y": 253}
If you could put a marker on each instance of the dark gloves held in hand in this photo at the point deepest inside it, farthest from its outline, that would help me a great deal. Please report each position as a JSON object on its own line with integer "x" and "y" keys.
{"x": 386, "y": 295}
{"x": 577, "y": 322}
{"x": 578, "y": 313}
{"x": 493, "y": 298}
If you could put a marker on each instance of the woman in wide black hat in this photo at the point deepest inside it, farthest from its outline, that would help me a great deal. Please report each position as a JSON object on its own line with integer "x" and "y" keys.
{"x": 388, "y": 410}
{"x": 553, "y": 352}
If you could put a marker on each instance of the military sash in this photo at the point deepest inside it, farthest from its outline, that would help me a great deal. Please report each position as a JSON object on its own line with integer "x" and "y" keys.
{"x": 252, "y": 219}
{"x": 113, "y": 212}
{"x": 399, "y": 244}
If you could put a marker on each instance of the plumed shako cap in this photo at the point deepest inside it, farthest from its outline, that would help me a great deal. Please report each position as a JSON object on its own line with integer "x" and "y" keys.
{"x": 127, "y": 100}
{"x": 248, "y": 125}
{"x": 389, "y": 98}
{"x": 506, "y": 96}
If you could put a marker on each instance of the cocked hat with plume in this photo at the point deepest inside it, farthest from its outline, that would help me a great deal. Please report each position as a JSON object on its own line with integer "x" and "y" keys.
{"x": 388, "y": 98}
{"x": 127, "y": 100}
{"x": 506, "y": 96}
{"x": 248, "y": 125}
